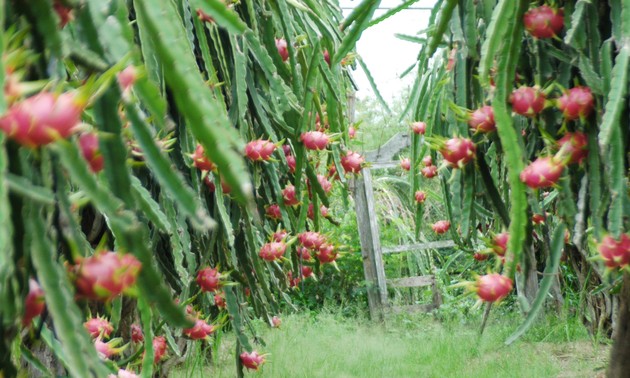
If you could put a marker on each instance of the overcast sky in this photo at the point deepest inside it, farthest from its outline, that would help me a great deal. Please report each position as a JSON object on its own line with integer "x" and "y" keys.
{"x": 385, "y": 55}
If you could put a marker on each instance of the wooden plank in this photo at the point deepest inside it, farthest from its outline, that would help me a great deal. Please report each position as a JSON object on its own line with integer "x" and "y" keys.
{"x": 410, "y": 309}
{"x": 386, "y": 152}
{"x": 367, "y": 249}
{"x": 421, "y": 246}
{"x": 376, "y": 236}
{"x": 385, "y": 164}
{"x": 417, "y": 281}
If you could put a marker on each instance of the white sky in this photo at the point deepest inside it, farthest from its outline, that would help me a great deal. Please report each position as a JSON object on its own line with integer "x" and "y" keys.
{"x": 385, "y": 55}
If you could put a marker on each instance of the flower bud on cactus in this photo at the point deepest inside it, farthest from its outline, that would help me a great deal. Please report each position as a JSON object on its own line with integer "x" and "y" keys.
{"x": 42, "y": 119}
{"x": 538, "y": 218}
{"x": 326, "y": 57}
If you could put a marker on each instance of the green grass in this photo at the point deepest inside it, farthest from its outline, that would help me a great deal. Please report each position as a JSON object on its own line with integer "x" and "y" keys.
{"x": 327, "y": 345}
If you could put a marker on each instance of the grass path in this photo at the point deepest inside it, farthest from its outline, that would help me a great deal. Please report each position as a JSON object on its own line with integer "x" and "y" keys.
{"x": 329, "y": 346}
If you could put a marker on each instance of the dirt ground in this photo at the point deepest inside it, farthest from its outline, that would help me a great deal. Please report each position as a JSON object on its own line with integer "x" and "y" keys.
{"x": 581, "y": 359}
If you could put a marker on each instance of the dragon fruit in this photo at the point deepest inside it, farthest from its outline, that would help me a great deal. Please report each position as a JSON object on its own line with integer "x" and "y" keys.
{"x": 99, "y": 327}
{"x": 252, "y": 361}
{"x": 259, "y": 150}
{"x": 577, "y": 102}
{"x": 272, "y": 251}
{"x": 136, "y": 334}
{"x": 574, "y": 145}
{"x": 281, "y": 46}
{"x": 88, "y": 143}
{"x": 105, "y": 275}
{"x": 273, "y": 212}
{"x": 493, "y": 287}
{"x": 34, "y": 303}
{"x": 42, "y": 119}
{"x": 482, "y": 120}
{"x": 289, "y": 196}
{"x": 352, "y": 162}
{"x": 440, "y": 227}
{"x": 542, "y": 173}
{"x": 458, "y": 151}
{"x": 200, "y": 330}
{"x": 315, "y": 140}
{"x": 544, "y": 21}
{"x": 209, "y": 279}
{"x": 429, "y": 171}
{"x": 419, "y": 128}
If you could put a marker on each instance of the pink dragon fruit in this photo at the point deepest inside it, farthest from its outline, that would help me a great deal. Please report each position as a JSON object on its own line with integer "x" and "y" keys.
{"x": 259, "y": 150}
{"x": 42, "y": 119}
{"x": 99, "y": 327}
{"x": 34, "y": 303}
{"x": 105, "y": 275}
{"x": 88, "y": 143}
{"x": 315, "y": 140}
{"x": 209, "y": 279}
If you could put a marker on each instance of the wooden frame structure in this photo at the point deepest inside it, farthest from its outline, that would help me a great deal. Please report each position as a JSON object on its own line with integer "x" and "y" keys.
{"x": 369, "y": 235}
